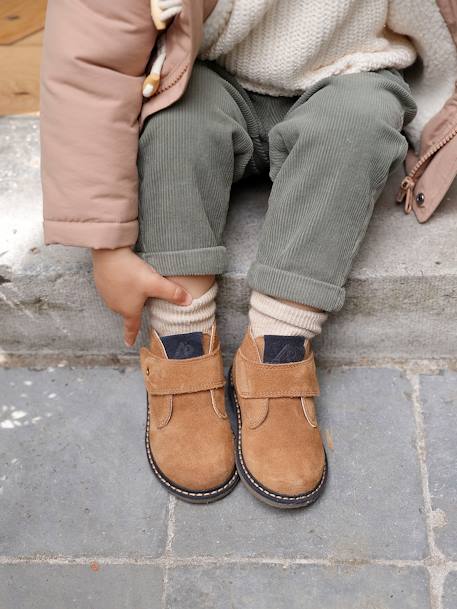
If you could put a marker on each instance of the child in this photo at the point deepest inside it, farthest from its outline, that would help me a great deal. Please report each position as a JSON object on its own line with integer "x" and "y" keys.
{"x": 311, "y": 94}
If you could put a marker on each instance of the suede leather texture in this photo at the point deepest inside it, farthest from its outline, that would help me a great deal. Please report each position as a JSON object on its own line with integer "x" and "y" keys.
{"x": 189, "y": 433}
{"x": 280, "y": 439}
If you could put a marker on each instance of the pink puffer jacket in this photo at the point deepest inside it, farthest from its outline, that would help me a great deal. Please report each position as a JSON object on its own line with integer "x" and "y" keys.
{"x": 95, "y": 59}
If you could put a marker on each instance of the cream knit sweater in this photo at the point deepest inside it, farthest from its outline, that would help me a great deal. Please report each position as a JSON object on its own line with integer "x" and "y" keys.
{"x": 282, "y": 47}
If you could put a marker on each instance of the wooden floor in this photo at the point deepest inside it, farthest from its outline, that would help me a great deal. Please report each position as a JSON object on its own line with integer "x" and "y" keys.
{"x": 21, "y": 37}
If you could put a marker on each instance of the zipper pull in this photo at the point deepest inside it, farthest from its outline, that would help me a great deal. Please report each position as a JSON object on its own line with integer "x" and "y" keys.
{"x": 406, "y": 194}
{"x": 152, "y": 81}
{"x": 156, "y": 13}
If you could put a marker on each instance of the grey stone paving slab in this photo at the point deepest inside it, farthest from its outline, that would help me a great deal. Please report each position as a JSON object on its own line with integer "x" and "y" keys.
{"x": 297, "y": 587}
{"x": 74, "y": 478}
{"x": 439, "y": 399}
{"x": 373, "y": 505}
{"x": 450, "y": 591}
{"x": 80, "y": 587}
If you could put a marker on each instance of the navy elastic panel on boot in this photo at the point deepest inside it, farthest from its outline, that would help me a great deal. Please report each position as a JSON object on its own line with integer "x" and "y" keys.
{"x": 183, "y": 346}
{"x": 283, "y": 349}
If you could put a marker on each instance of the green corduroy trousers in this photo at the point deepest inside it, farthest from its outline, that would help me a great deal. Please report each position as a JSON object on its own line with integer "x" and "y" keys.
{"x": 328, "y": 154}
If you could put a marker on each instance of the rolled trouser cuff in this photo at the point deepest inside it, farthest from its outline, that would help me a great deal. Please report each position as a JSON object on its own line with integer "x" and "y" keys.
{"x": 203, "y": 261}
{"x": 297, "y": 288}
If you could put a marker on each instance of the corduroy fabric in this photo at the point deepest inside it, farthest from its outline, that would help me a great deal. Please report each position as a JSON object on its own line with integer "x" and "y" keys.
{"x": 328, "y": 152}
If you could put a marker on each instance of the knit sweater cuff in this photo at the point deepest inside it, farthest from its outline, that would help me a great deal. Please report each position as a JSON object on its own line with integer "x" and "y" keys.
{"x": 215, "y": 23}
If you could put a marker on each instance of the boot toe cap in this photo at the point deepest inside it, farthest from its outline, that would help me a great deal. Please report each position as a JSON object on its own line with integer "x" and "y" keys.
{"x": 197, "y": 467}
{"x": 290, "y": 481}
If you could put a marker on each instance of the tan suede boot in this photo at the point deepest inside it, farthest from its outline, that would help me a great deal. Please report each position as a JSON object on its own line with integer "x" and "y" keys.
{"x": 279, "y": 453}
{"x": 188, "y": 437}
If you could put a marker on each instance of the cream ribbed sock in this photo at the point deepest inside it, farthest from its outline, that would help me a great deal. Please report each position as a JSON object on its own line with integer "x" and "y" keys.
{"x": 270, "y": 316}
{"x": 168, "y": 319}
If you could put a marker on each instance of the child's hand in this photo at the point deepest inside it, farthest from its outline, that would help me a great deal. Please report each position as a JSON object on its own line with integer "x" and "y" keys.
{"x": 125, "y": 282}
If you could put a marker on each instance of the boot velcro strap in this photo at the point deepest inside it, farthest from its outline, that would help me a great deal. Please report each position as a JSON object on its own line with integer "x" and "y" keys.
{"x": 177, "y": 376}
{"x": 260, "y": 380}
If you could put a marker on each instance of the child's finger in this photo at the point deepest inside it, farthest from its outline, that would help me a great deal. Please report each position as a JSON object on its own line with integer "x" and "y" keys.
{"x": 159, "y": 287}
{"x": 131, "y": 329}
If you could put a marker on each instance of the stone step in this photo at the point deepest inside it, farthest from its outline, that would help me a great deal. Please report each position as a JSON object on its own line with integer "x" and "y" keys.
{"x": 401, "y": 297}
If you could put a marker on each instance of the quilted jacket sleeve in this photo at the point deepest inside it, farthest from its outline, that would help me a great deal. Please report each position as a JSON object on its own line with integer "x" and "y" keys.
{"x": 94, "y": 59}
